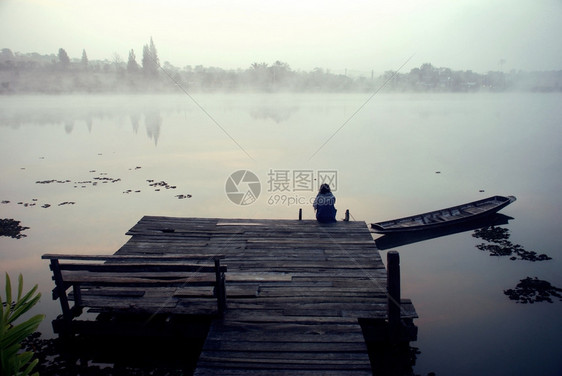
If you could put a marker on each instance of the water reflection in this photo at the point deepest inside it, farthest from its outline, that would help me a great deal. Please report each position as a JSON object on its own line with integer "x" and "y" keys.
{"x": 88, "y": 112}
{"x": 276, "y": 113}
{"x": 396, "y": 360}
{"x": 157, "y": 345}
{"x": 153, "y": 122}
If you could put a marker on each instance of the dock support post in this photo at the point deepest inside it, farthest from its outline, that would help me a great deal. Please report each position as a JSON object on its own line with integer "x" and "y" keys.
{"x": 60, "y": 291}
{"x": 300, "y": 214}
{"x": 220, "y": 287}
{"x": 393, "y": 289}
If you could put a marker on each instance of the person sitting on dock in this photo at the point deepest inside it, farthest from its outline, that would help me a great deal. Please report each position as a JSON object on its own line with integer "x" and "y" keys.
{"x": 324, "y": 204}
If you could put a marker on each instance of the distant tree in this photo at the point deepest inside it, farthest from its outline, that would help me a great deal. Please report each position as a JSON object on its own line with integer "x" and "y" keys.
{"x": 150, "y": 62}
{"x": 84, "y": 60}
{"x": 64, "y": 60}
{"x": 429, "y": 75}
{"x": 6, "y": 54}
{"x": 260, "y": 75}
{"x": 153, "y": 52}
{"x": 280, "y": 71}
{"x": 132, "y": 65}
{"x": 259, "y": 66}
{"x": 117, "y": 59}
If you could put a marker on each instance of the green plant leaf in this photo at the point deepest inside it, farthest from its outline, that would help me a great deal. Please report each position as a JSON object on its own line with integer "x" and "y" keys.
{"x": 21, "y": 331}
{"x": 8, "y": 291}
{"x": 12, "y": 360}
{"x": 23, "y": 308}
{"x": 30, "y": 367}
{"x": 24, "y": 301}
{"x": 25, "y": 357}
{"x": 20, "y": 286}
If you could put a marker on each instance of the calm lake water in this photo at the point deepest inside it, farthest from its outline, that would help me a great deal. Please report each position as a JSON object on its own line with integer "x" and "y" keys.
{"x": 95, "y": 158}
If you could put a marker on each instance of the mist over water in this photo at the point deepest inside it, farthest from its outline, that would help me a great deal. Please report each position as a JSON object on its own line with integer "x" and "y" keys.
{"x": 102, "y": 162}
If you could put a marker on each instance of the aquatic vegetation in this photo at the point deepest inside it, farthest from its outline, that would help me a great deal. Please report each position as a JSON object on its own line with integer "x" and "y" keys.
{"x": 95, "y": 181}
{"x": 12, "y": 360}
{"x": 160, "y": 184}
{"x": 11, "y": 228}
{"x": 531, "y": 290}
{"x": 498, "y": 244}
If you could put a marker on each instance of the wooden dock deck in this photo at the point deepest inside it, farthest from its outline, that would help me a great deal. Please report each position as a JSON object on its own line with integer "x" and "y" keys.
{"x": 295, "y": 291}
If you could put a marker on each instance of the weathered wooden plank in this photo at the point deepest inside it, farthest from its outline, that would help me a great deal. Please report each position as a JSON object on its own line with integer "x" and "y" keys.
{"x": 210, "y": 370}
{"x": 109, "y": 279}
{"x": 111, "y": 291}
{"x": 295, "y": 347}
{"x": 258, "y": 276}
{"x": 169, "y": 257}
{"x": 158, "y": 269}
{"x": 304, "y": 355}
{"x": 297, "y": 364}
{"x": 138, "y": 304}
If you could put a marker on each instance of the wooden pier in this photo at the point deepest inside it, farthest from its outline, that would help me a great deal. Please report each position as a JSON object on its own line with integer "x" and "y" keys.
{"x": 301, "y": 296}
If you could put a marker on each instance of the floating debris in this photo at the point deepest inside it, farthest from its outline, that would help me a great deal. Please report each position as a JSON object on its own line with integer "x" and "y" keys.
{"x": 136, "y": 168}
{"x": 499, "y": 245}
{"x": 12, "y": 228}
{"x": 131, "y": 191}
{"x": 67, "y": 203}
{"x": 160, "y": 184}
{"x": 52, "y": 181}
{"x": 26, "y": 204}
{"x": 531, "y": 290}
{"x": 5, "y": 201}
{"x": 46, "y": 206}
{"x": 181, "y": 197}
{"x": 107, "y": 180}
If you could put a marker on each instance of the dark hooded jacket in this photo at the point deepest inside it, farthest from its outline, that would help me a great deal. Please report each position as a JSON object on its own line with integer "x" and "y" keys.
{"x": 324, "y": 206}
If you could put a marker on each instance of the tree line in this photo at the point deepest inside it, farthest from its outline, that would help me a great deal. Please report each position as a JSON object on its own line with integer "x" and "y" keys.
{"x": 58, "y": 73}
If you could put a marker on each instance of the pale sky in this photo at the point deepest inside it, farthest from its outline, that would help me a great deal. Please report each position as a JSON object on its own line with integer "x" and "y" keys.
{"x": 356, "y": 35}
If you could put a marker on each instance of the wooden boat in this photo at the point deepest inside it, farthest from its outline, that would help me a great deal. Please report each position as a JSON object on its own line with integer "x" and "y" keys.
{"x": 399, "y": 239}
{"x": 445, "y": 217}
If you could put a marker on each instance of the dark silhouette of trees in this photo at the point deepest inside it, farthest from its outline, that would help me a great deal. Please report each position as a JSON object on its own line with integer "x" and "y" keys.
{"x": 6, "y": 54}
{"x": 132, "y": 65}
{"x": 64, "y": 60}
{"x": 150, "y": 62}
{"x": 84, "y": 60}
{"x": 32, "y": 72}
